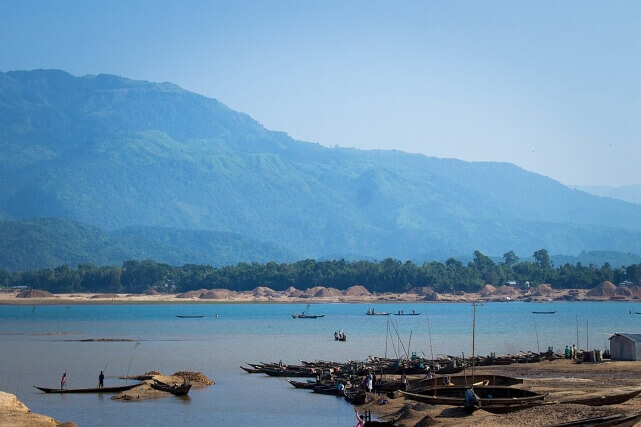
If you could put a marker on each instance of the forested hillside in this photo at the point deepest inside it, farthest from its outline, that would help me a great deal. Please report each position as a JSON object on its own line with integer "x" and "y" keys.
{"x": 109, "y": 152}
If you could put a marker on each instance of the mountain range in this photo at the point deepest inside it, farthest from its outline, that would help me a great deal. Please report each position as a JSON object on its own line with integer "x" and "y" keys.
{"x": 152, "y": 170}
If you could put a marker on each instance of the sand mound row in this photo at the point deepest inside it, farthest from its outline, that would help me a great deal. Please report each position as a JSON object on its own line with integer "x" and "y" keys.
{"x": 35, "y": 293}
{"x": 104, "y": 296}
{"x": 218, "y": 294}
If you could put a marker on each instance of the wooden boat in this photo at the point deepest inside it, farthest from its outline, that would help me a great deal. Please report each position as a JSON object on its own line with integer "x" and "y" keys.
{"x": 307, "y": 316}
{"x": 88, "y": 390}
{"x": 406, "y": 314}
{"x": 305, "y": 385}
{"x": 596, "y": 399}
{"x": 343, "y": 338}
{"x": 190, "y": 316}
{"x": 177, "y": 389}
{"x": 326, "y": 389}
{"x": 490, "y": 396}
{"x": 355, "y": 397}
{"x": 251, "y": 370}
{"x": 543, "y": 312}
{"x": 463, "y": 380}
{"x": 382, "y": 313}
{"x": 288, "y": 373}
{"x": 621, "y": 420}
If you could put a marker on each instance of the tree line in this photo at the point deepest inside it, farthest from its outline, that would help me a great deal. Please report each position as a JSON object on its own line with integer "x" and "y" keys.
{"x": 388, "y": 275}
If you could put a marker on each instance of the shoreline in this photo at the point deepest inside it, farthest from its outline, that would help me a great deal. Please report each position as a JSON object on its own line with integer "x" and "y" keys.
{"x": 281, "y": 297}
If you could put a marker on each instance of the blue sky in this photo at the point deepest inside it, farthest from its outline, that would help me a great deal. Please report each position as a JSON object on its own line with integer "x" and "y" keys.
{"x": 552, "y": 86}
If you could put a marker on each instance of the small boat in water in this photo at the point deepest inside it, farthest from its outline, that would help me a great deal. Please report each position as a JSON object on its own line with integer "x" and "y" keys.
{"x": 88, "y": 390}
{"x": 190, "y": 316}
{"x": 307, "y": 316}
{"x": 543, "y": 312}
{"x": 402, "y": 313}
{"x": 251, "y": 370}
{"x": 374, "y": 313}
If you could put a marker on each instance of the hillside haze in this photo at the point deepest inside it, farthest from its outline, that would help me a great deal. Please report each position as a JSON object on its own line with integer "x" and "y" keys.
{"x": 134, "y": 158}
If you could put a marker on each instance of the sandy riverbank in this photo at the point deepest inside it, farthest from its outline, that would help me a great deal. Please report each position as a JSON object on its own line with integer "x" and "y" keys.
{"x": 15, "y": 413}
{"x": 356, "y": 294}
{"x": 560, "y": 379}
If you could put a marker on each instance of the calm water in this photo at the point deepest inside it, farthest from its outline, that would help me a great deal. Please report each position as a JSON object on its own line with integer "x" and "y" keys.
{"x": 33, "y": 351}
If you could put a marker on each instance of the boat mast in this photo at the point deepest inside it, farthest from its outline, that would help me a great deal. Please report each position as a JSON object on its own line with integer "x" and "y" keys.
{"x": 473, "y": 340}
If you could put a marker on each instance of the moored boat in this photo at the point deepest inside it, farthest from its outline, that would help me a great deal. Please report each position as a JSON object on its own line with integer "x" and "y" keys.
{"x": 177, "y": 389}
{"x": 620, "y": 420}
{"x": 117, "y": 389}
{"x": 490, "y": 396}
{"x": 598, "y": 399}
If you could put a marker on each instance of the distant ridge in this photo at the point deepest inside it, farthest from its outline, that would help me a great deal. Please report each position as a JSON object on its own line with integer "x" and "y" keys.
{"x": 116, "y": 153}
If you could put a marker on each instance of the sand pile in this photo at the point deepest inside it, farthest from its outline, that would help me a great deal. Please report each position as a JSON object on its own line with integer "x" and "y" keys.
{"x": 293, "y": 292}
{"x": 635, "y": 291}
{"x": 152, "y": 292}
{"x": 603, "y": 290}
{"x": 357, "y": 291}
{"x": 624, "y": 291}
{"x": 410, "y": 411}
{"x": 505, "y": 291}
{"x": 35, "y": 293}
{"x": 263, "y": 291}
{"x": 104, "y": 296}
{"x": 218, "y": 294}
{"x": 328, "y": 293}
{"x": 487, "y": 290}
{"x": 192, "y": 294}
{"x": 421, "y": 291}
{"x": 194, "y": 377}
{"x": 543, "y": 290}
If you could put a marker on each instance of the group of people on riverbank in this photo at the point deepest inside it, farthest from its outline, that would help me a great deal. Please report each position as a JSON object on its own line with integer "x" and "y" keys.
{"x": 570, "y": 352}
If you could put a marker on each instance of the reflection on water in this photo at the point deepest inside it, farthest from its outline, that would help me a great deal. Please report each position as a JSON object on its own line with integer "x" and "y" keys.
{"x": 35, "y": 351}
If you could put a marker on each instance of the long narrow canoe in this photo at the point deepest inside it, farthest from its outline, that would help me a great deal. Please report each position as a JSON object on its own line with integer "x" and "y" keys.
{"x": 597, "y": 399}
{"x": 190, "y": 316}
{"x": 462, "y": 380}
{"x": 621, "y": 420}
{"x": 543, "y": 312}
{"x": 88, "y": 390}
{"x": 407, "y": 314}
{"x": 251, "y": 370}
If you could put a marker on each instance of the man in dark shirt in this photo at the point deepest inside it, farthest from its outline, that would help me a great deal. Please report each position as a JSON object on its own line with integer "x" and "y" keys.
{"x": 101, "y": 380}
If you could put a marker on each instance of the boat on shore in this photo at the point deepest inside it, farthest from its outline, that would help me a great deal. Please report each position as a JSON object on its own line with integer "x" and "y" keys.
{"x": 620, "y": 420}
{"x": 487, "y": 396}
{"x": 251, "y": 370}
{"x": 117, "y": 389}
{"x": 597, "y": 399}
{"x": 462, "y": 380}
{"x": 308, "y": 385}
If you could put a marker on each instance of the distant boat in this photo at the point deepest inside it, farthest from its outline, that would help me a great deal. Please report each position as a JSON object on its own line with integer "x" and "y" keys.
{"x": 190, "y": 316}
{"x": 307, "y": 316}
{"x": 88, "y": 390}
{"x": 400, "y": 313}
{"x": 373, "y": 313}
{"x": 543, "y": 312}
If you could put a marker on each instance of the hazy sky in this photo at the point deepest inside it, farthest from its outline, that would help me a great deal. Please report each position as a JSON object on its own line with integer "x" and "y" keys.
{"x": 552, "y": 86}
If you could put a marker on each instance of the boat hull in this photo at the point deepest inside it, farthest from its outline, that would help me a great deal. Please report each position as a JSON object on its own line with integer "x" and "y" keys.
{"x": 87, "y": 390}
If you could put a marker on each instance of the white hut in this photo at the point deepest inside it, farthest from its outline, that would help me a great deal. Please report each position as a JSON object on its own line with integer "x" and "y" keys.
{"x": 625, "y": 347}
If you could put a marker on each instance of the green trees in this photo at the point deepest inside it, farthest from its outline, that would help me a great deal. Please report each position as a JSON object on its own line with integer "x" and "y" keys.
{"x": 388, "y": 275}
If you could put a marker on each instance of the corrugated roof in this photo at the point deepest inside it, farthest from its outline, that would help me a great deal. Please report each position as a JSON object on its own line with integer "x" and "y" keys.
{"x": 631, "y": 337}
